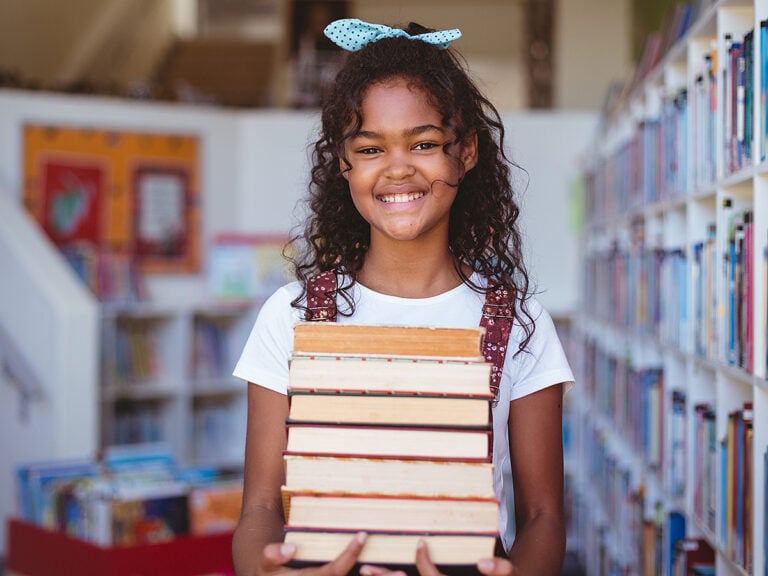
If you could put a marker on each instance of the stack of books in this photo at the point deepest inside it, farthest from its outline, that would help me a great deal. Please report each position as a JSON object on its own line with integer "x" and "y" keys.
{"x": 389, "y": 432}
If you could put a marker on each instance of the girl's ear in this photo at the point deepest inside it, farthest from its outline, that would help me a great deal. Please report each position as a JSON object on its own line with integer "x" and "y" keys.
{"x": 344, "y": 168}
{"x": 469, "y": 152}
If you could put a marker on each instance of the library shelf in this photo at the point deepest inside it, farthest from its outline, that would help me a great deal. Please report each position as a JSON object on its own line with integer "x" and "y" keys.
{"x": 672, "y": 414}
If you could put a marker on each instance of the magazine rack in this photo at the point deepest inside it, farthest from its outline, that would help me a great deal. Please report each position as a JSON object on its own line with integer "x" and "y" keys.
{"x": 35, "y": 551}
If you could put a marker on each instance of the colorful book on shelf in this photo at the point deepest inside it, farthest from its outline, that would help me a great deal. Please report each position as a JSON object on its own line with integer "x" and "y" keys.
{"x": 215, "y": 507}
{"x": 373, "y": 408}
{"x": 39, "y": 485}
{"x": 692, "y": 553}
{"x": 142, "y": 517}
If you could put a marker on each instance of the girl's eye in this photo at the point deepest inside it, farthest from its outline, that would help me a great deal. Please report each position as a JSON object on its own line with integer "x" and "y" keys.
{"x": 425, "y": 146}
{"x": 368, "y": 150}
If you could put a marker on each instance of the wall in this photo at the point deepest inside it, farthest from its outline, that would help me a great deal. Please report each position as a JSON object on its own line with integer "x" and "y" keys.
{"x": 592, "y": 50}
{"x": 49, "y": 322}
{"x": 548, "y": 147}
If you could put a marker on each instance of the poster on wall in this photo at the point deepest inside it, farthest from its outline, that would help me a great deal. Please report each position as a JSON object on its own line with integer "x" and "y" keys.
{"x": 72, "y": 192}
{"x": 248, "y": 266}
{"x": 115, "y": 199}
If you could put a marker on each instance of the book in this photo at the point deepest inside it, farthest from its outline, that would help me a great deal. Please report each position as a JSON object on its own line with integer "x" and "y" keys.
{"x": 318, "y": 338}
{"x": 380, "y": 408}
{"x": 374, "y": 513}
{"x": 389, "y": 441}
{"x": 692, "y": 553}
{"x": 391, "y": 547}
{"x": 404, "y": 376}
{"x": 377, "y": 459}
{"x": 388, "y": 476}
{"x": 215, "y": 507}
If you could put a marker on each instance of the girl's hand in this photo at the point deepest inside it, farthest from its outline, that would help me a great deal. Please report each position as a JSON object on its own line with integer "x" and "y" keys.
{"x": 487, "y": 566}
{"x": 276, "y": 555}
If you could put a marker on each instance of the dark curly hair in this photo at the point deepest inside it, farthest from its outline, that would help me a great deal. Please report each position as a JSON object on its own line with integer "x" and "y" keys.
{"x": 483, "y": 231}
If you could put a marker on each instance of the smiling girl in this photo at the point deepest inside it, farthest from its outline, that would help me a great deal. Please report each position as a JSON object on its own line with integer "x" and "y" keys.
{"x": 412, "y": 221}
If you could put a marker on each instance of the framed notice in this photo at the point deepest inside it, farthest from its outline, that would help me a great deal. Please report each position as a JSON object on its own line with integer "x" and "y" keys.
{"x": 163, "y": 218}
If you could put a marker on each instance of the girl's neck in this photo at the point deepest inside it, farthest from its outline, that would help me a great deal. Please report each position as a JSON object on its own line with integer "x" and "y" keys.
{"x": 409, "y": 273}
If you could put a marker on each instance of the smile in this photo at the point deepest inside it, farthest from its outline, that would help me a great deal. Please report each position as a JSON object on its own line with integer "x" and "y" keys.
{"x": 396, "y": 198}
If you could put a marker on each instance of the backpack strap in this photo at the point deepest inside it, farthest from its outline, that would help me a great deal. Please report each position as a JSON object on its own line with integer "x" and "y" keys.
{"x": 497, "y": 320}
{"x": 321, "y": 297}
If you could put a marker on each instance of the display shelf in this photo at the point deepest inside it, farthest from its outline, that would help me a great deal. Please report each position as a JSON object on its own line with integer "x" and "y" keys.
{"x": 676, "y": 250}
{"x": 166, "y": 377}
{"x": 61, "y": 554}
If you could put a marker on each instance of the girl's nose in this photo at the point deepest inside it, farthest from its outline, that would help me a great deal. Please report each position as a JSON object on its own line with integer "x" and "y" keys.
{"x": 399, "y": 166}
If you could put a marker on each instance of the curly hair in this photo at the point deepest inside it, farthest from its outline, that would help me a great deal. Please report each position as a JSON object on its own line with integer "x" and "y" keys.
{"x": 483, "y": 231}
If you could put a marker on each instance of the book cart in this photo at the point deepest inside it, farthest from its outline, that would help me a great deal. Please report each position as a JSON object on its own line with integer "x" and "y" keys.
{"x": 672, "y": 418}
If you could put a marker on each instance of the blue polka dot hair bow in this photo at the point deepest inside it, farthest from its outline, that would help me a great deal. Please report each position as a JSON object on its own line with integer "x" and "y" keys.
{"x": 352, "y": 34}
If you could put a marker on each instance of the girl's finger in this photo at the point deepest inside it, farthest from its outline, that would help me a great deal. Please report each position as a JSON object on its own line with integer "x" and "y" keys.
{"x": 495, "y": 567}
{"x": 275, "y": 555}
{"x": 370, "y": 570}
{"x": 345, "y": 561}
{"x": 424, "y": 562}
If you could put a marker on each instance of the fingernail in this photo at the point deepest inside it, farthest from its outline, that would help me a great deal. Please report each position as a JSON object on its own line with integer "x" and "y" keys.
{"x": 421, "y": 543}
{"x": 365, "y": 570}
{"x": 485, "y": 565}
{"x": 287, "y": 549}
{"x": 360, "y": 537}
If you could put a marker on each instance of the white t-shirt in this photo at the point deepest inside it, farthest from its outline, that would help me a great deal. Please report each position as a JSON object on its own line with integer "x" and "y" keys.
{"x": 265, "y": 357}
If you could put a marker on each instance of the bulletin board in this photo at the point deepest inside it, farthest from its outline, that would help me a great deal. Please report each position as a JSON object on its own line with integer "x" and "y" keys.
{"x": 132, "y": 192}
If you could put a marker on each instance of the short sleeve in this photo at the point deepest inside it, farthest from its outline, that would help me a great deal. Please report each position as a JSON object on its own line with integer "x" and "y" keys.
{"x": 543, "y": 363}
{"x": 265, "y": 356}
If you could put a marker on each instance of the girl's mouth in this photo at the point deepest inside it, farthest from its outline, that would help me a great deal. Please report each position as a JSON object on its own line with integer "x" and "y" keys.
{"x": 400, "y": 198}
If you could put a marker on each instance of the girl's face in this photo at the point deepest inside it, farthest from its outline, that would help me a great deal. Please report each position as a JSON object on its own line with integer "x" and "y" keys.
{"x": 406, "y": 165}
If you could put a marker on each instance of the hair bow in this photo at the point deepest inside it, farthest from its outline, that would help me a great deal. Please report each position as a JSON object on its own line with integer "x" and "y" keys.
{"x": 352, "y": 34}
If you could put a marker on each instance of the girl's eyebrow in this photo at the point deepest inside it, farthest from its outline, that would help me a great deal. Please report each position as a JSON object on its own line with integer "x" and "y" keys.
{"x": 408, "y": 133}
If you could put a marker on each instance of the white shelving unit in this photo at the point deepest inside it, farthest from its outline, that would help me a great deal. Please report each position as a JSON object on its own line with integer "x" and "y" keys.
{"x": 664, "y": 201}
{"x": 166, "y": 377}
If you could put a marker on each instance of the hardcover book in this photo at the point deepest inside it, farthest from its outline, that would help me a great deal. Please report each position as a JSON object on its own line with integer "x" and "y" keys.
{"x": 389, "y": 375}
{"x": 382, "y": 408}
{"x": 389, "y": 442}
{"x": 371, "y": 340}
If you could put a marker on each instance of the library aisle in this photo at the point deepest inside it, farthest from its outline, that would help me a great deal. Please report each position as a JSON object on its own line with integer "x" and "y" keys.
{"x": 671, "y": 421}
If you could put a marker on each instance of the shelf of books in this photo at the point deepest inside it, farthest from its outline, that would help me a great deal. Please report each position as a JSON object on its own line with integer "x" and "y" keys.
{"x": 672, "y": 414}
{"x": 133, "y": 510}
{"x": 166, "y": 377}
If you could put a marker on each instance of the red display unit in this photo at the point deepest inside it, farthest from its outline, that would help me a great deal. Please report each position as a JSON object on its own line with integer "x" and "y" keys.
{"x": 35, "y": 551}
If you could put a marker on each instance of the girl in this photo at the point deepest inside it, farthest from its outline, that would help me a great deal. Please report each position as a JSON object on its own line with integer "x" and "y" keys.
{"x": 412, "y": 211}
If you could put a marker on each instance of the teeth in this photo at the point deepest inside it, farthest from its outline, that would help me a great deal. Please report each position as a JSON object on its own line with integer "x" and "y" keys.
{"x": 410, "y": 197}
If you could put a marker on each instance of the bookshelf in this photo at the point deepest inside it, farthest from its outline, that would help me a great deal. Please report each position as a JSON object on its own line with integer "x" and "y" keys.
{"x": 166, "y": 377}
{"x": 672, "y": 416}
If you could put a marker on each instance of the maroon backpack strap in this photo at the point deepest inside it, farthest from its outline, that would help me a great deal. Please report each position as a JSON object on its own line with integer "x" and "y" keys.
{"x": 321, "y": 297}
{"x": 497, "y": 320}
